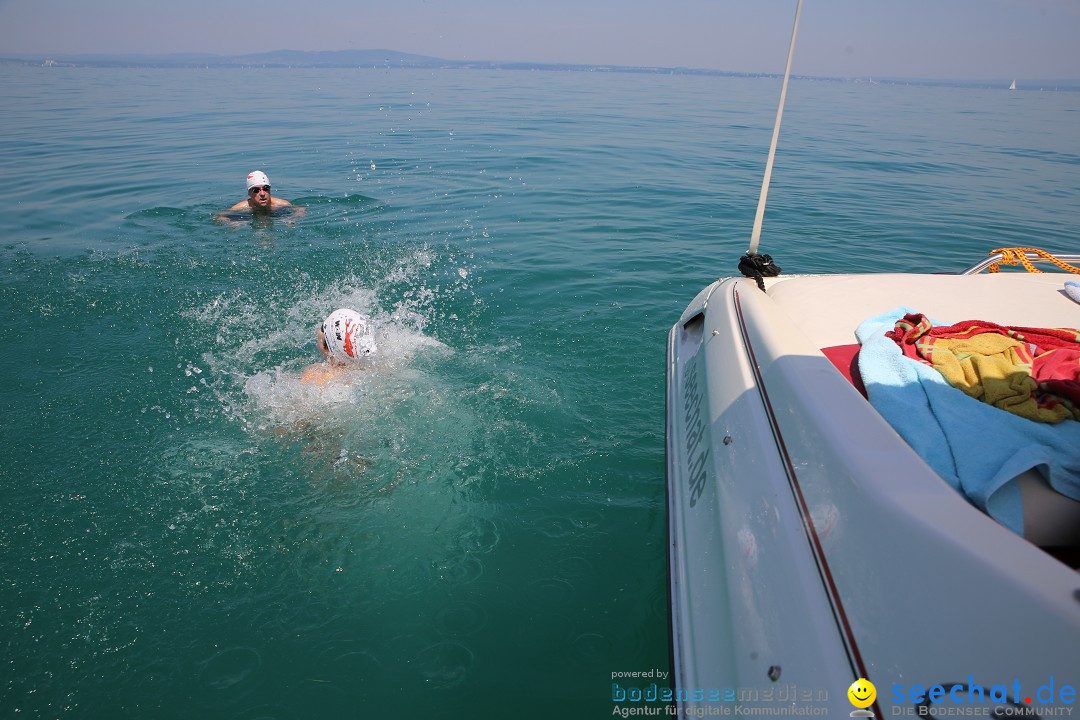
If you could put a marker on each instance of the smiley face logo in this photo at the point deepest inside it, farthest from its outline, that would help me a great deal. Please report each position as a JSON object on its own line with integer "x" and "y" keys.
{"x": 862, "y": 693}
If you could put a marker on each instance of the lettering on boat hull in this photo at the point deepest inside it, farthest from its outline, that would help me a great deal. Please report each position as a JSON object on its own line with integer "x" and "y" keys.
{"x": 694, "y": 396}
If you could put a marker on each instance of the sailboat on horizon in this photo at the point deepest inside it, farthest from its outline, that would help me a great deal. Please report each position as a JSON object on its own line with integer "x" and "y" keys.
{"x": 1013, "y": 86}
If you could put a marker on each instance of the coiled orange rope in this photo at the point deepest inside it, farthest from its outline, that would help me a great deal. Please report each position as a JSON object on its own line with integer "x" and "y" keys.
{"x": 1018, "y": 256}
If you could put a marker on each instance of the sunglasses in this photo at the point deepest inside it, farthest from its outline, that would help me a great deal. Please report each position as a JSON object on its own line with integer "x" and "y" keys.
{"x": 257, "y": 189}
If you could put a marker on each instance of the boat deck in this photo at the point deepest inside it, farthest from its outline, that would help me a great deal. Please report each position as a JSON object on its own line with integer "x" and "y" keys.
{"x": 828, "y": 308}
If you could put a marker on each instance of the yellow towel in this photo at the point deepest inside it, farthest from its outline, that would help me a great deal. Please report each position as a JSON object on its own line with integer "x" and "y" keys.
{"x": 994, "y": 369}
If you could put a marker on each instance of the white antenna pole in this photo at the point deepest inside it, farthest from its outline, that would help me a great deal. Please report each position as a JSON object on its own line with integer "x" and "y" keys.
{"x": 760, "y": 216}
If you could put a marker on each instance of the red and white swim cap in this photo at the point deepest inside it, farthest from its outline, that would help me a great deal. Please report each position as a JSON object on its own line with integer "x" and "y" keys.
{"x": 348, "y": 335}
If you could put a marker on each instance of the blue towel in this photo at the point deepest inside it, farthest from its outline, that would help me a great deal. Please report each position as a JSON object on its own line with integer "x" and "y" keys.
{"x": 977, "y": 448}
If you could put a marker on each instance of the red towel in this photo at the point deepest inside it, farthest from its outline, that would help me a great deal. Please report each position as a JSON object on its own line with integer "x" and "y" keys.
{"x": 1054, "y": 353}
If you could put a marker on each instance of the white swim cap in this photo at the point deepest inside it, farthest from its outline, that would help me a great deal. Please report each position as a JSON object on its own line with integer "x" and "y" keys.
{"x": 257, "y": 178}
{"x": 348, "y": 335}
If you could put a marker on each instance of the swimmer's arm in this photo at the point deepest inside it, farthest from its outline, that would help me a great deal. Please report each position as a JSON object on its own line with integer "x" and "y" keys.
{"x": 297, "y": 211}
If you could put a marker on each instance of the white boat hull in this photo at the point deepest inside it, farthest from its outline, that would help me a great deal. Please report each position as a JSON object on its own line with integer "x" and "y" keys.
{"x": 809, "y": 544}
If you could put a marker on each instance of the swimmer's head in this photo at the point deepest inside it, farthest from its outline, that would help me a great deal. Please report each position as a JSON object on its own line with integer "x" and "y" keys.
{"x": 257, "y": 178}
{"x": 346, "y": 335}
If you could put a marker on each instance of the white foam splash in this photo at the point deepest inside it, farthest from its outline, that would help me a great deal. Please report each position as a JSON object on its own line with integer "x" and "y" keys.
{"x": 263, "y": 345}
{"x": 283, "y": 400}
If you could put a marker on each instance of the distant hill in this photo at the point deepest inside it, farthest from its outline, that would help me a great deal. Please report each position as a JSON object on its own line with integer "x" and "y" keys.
{"x": 333, "y": 59}
{"x": 395, "y": 59}
{"x": 337, "y": 58}
{"x": 276, "y": 58}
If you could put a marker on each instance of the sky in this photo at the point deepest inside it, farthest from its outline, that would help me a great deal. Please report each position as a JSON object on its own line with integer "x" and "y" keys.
{"x": 946, "y": 39}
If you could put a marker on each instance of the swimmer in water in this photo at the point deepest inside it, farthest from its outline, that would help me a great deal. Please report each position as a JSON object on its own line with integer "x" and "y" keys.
{"x": 259, "y": 200}
{"x": 344, "y": 338}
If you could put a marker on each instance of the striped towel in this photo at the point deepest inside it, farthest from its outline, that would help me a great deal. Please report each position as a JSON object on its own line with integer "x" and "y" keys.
{"x": 1030, "y": 372}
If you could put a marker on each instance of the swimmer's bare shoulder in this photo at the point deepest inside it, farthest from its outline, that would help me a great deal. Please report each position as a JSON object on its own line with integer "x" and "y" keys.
{"x": 320, "y": 373}
{"x": 229, "y": 215}
{"x": 245, "y": 207}
{"x": 274, "y": 203}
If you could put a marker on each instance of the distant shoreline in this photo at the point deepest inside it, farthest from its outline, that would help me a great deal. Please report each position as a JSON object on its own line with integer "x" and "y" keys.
{"x": 390, "y": 59}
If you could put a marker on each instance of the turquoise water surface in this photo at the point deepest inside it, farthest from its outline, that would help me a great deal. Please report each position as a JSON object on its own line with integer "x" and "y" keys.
{"x": 475, "y": 525}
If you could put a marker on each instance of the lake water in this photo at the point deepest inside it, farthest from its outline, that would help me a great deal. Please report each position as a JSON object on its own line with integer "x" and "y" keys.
{"x": 474, "y": 526}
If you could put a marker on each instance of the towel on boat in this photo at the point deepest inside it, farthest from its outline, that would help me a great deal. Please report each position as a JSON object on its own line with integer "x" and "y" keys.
{"x": 977, "y": 448}
{"x": 1031, "y": 372}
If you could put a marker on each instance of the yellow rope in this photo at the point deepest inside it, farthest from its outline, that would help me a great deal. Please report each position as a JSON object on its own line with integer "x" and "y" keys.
{"x": 1017, "y": 256}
